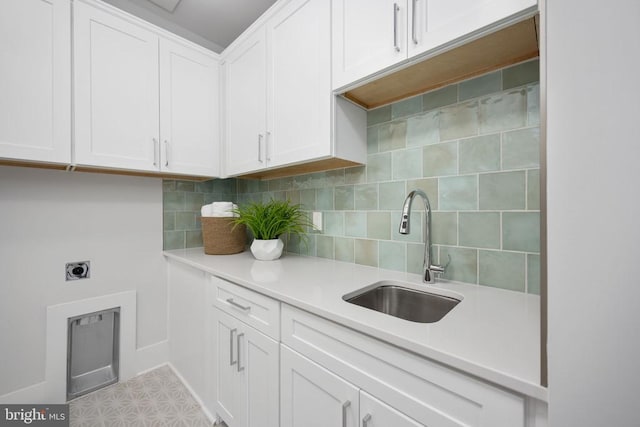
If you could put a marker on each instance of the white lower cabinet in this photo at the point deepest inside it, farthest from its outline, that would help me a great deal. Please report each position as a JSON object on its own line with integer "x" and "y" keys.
{"x": 246, "y": 364}
{"x": 374, "y": 413}
{"x": 397, "y": 388}
{"x": 314, "y": 397}
{"x": 276, "y": 365}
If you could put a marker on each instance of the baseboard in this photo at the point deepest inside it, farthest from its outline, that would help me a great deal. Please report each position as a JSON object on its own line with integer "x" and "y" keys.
{"x": 152, "y": 356}
{"x": 32, "y": 394}
{"x": 212, "y": 418}
{"x": 146, "y": 359}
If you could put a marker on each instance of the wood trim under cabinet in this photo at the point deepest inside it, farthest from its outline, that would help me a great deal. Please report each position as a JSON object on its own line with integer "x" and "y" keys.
{"x": 72, "y": 168}
{"x": 494, "y": 51}
{"x": 300, "y": 169}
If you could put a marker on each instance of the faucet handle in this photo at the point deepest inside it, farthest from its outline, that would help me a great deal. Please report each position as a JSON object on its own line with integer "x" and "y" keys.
{"x": 439, "y": 269}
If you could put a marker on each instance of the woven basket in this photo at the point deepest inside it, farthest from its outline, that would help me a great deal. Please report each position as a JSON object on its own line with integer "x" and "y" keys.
{"x": 221, "y": 238}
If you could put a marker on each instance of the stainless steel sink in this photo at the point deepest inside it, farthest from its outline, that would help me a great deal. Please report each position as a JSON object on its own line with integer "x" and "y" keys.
{"x": 396, "y": 300}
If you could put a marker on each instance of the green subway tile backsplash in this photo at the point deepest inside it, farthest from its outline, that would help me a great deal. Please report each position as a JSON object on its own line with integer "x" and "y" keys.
{"x": 459, "y": 121}
{"x": 480, "y": 229}
{"x": 503, "y": 191}
{"x": 479, "y": 154}
{"x": 440, "y": 159}
{"x": 344, "y": 249}
{"x": 440, "y": 97}
{"x": 406, "y": 107}
{"x": 392, "y": 136}
{"x": 458, "y": 193}
{"x": 379, "y": 225}
{"x": 423, "y": 129}
{"x": 503, "y": 111}
{"x": 473, "y": 147}
{"x": 483, "y": 85}
{"x": 391, "y": 255}
{"x": 366, "y": 252}
{"x": 181, "y": 205}
{"x": 502, "y": 269}
{"x": 521, "y": 74}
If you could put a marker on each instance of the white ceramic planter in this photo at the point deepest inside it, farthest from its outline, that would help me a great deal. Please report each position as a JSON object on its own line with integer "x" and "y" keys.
{"x": 267, "y": 250}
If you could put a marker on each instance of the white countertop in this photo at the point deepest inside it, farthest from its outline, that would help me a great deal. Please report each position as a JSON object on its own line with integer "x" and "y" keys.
{"x": 493, "y": 334}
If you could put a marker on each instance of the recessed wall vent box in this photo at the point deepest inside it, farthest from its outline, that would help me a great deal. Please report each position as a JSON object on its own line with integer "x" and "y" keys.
{"x": 93, "y": 351}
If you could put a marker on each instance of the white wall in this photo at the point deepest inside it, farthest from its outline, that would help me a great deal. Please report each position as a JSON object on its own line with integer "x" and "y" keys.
{"x": 593, "y": 140}
{"x": 48, "y": 218}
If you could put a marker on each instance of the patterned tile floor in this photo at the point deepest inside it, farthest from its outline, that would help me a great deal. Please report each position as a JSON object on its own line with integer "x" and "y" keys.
{"x": 156, "y": 398}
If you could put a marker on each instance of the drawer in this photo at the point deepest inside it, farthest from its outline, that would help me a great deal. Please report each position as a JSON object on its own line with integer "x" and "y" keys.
{"x": 420, "y": 388}
{"x": 253, "y": 308}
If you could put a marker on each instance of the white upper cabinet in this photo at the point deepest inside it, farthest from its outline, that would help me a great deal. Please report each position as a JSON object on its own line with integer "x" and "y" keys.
{"x": 116, "y": 91}
{"x": 142, "y": 101}
{"x": 435, "y": 23}
{"x": 299, "y": 110}
{"x": 245, "y": 94}
{"x": 189, "y": 128}
{"x": 368, "y": 35}
{"x": 279, "y": 107}
{"x": 371, "y": 35}
{"x": 35, "y": 80}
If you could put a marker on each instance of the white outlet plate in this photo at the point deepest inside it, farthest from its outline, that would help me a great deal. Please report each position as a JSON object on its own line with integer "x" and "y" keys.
{"x": 317, "y": 221}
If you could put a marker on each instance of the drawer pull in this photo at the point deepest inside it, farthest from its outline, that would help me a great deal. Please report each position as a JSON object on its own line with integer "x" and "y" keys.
{"x": 365, "y": 420}
{"x": 231, "y": 361}
{"x": 235, "y": 304}
{"x": 345, "y": 406}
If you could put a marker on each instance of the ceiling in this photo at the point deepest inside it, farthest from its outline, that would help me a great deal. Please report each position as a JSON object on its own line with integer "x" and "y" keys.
{"x": 213, "y": 24}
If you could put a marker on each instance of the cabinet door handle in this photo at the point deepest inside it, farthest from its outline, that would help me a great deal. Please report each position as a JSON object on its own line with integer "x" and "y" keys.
{"x": 266, "y": 147}
{"x": 414, "y": 36}
{"x": 231, "y": 361}
{"x": 235, "y": 304}
{"x": 240, "y": 368}
{"x": 365, "y": 420}
{"x": 345, "y": 406}
{"x": 166, "y": 153}
{"x": 260, "y": 148}
{"x": 155, "y": 152}
{"x": 396, "y": 8}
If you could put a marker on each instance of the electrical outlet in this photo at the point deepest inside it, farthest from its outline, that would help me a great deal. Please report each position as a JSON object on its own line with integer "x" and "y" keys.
{"x": 78, "y": 270}
{"x": 317, "y": 221}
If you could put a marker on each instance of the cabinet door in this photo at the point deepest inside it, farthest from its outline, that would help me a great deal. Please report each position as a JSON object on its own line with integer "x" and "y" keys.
{"x": 374, "y": 413}
{"x": 228, "y": 387}
{"x": 188, "y": 110}
{"x": 299, "y": 112}
{"x": 116, "y": 91}
{"x": 244, "y": 74}
{"x": 311, "y": 396}
{"x": 368, "y": 36}
{"x": 258, "y": 358}
{"x": 434, "y": 23}
{"x": 35, "y": 82}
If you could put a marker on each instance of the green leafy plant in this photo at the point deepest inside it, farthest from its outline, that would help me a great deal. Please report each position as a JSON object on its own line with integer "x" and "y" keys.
{"x": 270, "y": 220}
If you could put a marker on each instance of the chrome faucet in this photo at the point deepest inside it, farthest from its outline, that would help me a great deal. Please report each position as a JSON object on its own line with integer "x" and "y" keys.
{"x": 428, "y": 270}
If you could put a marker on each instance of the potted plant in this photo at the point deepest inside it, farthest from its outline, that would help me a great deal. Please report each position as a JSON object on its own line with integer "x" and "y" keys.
{"x": 268, "y": 221}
